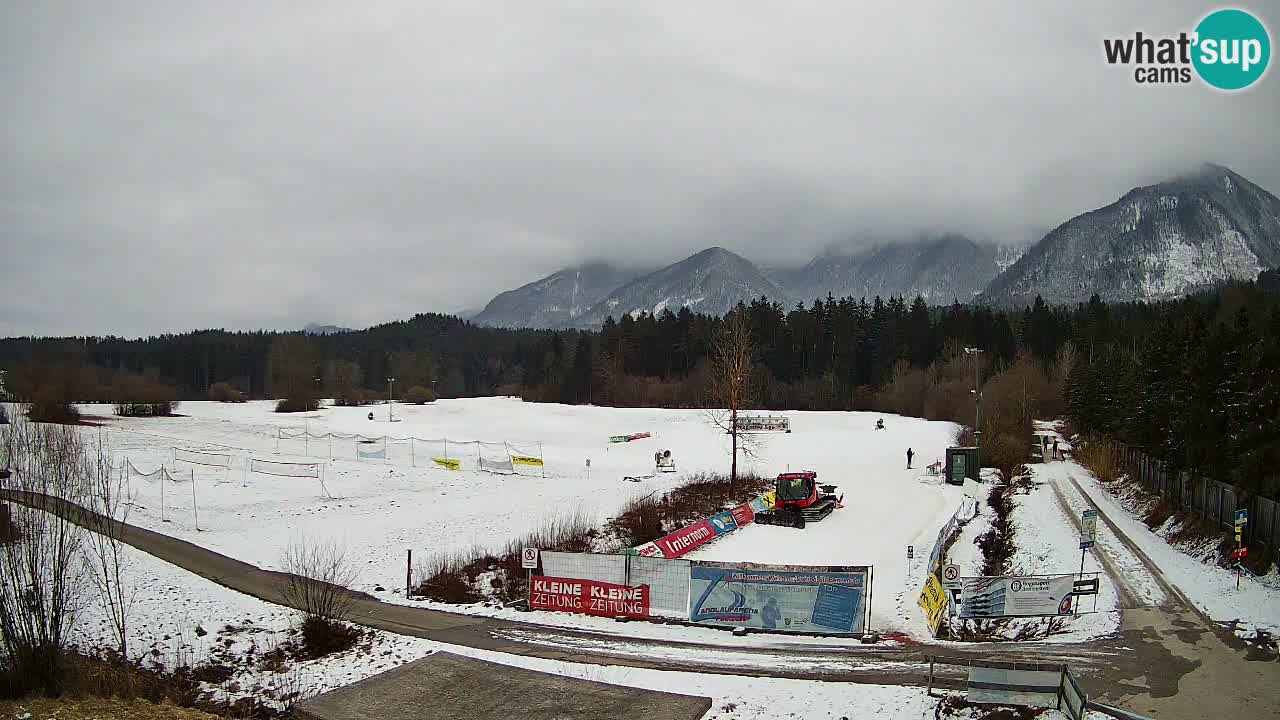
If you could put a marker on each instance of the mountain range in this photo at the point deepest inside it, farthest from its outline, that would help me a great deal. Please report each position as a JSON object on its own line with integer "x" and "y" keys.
{"x": 1154, "y": 243}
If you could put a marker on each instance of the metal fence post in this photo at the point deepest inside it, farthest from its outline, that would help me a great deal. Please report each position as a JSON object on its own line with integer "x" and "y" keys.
{"x": 408, "y": 573}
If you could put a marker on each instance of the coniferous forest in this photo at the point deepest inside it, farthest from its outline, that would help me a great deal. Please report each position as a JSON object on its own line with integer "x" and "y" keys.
{"x": 1195, "y": 382}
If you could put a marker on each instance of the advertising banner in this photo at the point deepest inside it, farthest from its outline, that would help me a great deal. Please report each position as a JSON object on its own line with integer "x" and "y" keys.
{"x": 785, "y": 598}
{"x": 988, "y": 597}
{"x": 758, "y": 505}
{"x": 933, "y": 599}
{"x": 448, "y": 463}
{"x": 686, "y": 539}
{"x": 589, "y": 597}
{"x": 526, "y": 460}
{"x": 723, "y": 523}
{"x": 647, "y": 550}
{"x": 743, "y": 515}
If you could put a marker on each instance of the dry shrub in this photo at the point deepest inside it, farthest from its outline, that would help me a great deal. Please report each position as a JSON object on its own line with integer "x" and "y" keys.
{"x": 321, "y": 637}
{"x": 445, "y": 579}
{"x": 225, "y": 392}
{"x": 320, "y": 577}
{"x": 292, "y": 405}
{"x": 1159, "y": 512}
{"x": 460, "y": 577}
{"x": 997, "y": 543}
{"x": 140, "y": 396}
{"x": 1100, "y": 457}
{"x": 419, "y": 395}
{"x": 639, "y": 522}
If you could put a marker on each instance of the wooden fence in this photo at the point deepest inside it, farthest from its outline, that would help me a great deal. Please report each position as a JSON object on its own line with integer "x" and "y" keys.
{"x": 1215, "y": 501}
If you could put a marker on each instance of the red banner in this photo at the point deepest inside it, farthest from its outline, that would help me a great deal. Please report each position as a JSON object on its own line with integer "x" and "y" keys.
{"x": 743, "y": 514}
{"x": 686, "y": 539}
{"x": 589, "y": 597}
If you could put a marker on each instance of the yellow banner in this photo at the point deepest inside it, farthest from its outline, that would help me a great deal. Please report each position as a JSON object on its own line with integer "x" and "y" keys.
{"x": 526, "y": 460}
{"x": 934, "y": 601}
{"x": 770, "y": 499}
{"x": 449, "y": 463}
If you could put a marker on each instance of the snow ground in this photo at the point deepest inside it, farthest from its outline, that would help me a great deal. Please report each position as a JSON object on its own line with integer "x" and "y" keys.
{"x": 1210, "y": 587}
{"x": 1256, "y": 605}
{"x": 238, "y": 624}
{"x": 380, "y": 510}
{"x": 1047, "y": 544}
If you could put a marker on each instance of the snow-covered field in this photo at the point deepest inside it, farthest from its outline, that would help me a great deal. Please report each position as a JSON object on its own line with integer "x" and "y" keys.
{"x": 381, "y": 509}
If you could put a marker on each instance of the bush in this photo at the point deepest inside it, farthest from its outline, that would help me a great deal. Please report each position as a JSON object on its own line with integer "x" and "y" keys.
{"x": 50, "y": 405}
{"x": 353, "y": 397}
{"x": 291, "y": 405}
{"x": 225, "y": 392}
{"x": 139, "y": 396}
{"x": 445, "y": 579}
{"x": 419, "y": 395}
{"x": 469, "y": 577}
{"x": 320, "y": 577}
{"x": 321, "y": 637}
{"x": 997, "y": 543}
{"x": 1100, "y": 457}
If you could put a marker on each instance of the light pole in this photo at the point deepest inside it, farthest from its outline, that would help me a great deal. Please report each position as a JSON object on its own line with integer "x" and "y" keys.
{"x": 391, "y": 399}
{"x": 977, "y": 404}
{"x": 434, "y": 396}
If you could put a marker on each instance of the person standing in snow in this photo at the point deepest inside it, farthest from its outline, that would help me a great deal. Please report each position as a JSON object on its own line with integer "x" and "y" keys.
{"x": 1055, "y": 450}
{"x": 910, "y": 455}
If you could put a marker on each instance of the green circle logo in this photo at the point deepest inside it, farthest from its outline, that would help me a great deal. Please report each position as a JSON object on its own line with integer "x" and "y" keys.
{"x": 1232, "y": 49}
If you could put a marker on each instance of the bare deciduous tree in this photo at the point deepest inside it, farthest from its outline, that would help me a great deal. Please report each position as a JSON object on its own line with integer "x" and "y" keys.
{"x": 42, "y": 572}
{"x": 105, "y": 553}
{"x": 732, "y": 383}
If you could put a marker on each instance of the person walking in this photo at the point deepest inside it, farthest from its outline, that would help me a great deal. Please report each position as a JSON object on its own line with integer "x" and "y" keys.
{"x": 1056, "y": 452}
{"x": 910, "y": 455}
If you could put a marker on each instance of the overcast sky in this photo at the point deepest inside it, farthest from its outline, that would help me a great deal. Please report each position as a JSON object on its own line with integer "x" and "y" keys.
{"x": 173, "y": 165}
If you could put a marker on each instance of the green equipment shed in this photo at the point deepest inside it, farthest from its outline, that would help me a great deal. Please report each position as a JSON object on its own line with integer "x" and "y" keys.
{"x": 962, "y": 462}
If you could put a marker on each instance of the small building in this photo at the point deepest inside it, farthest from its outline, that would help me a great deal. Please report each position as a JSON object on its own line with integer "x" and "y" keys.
{"x": 962, "y": 462}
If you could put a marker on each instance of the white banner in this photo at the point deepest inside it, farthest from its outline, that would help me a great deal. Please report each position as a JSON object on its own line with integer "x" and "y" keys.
{"x": 371, "y": 451}
{"x": 199, "y": 457}
{"x": 989, "y": 597}
{"x": 269, "y": 467}
{"x": 763, "y": 423}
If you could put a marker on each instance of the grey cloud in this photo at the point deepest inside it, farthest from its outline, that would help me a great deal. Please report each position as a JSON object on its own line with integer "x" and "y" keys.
{"x": 165, "y": 166}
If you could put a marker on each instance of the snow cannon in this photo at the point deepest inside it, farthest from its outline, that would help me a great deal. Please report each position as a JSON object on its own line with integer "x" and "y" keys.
{"x": 799, "y": 499}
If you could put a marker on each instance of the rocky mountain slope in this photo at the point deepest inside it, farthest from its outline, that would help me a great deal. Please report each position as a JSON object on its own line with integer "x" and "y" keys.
{"x": 1155, "y": 243}
{"x": 555, "y": 301}
{"x": 939, "y": 269}
{"x": 711, "y": 281}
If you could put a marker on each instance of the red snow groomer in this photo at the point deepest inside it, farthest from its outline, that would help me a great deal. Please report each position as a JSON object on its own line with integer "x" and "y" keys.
{"x": 797, "y": 500}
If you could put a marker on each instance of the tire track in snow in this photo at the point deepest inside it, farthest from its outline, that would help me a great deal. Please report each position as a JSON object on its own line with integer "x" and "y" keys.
{"x": 1173, "y": 596}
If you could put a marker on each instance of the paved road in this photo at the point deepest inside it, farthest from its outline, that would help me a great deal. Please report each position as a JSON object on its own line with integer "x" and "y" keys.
{"x": 1146, "y": 667}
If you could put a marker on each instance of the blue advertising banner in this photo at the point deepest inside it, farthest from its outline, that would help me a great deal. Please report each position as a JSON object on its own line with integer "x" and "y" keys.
{"x": 783, "y": 598}
{"x": 758, "y": 505}
{"x": 723, "y": 522}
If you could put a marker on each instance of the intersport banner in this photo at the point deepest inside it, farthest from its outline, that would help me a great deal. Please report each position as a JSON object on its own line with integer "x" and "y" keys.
{"x": 589, "y": 597}
{"x": 686, "y": 539}
{"x": 990, "y": 597}
{"x": 743, "y": 515}
{"x": 723, "y": 523}
{"x": 784, "y": 598}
